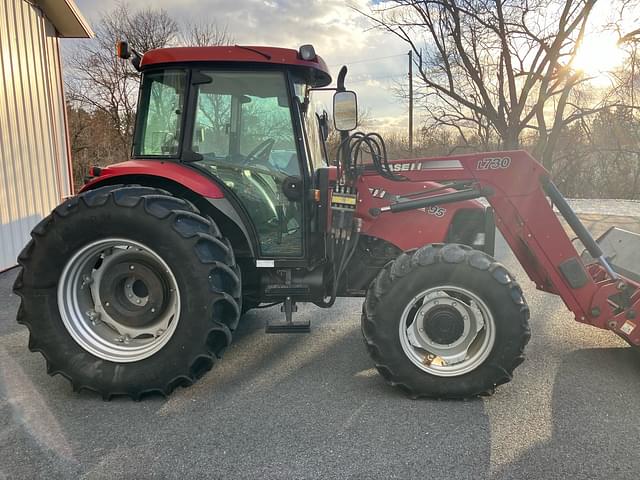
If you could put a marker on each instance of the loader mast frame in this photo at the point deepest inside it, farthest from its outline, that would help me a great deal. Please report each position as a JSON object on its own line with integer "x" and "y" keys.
{"x": 519, "y": 190}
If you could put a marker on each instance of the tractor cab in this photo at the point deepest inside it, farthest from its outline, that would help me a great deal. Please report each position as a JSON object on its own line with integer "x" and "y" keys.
{"x": 242, "y": 116}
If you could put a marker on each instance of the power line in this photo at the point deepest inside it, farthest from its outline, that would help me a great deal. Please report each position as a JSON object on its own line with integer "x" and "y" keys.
{"x": 371, "y": 79}
{"x": 355, "y": 62}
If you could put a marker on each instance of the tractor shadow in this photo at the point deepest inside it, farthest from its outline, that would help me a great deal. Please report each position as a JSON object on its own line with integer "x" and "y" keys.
{"x": 256, "y": 360}
{"x": 276, "y": 406}
{"x": 316, "y": 397}
{"x": 595, "y": 420}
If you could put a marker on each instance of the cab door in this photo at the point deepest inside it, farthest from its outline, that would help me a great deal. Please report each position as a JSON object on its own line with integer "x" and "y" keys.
{"x": 243, "y": 132}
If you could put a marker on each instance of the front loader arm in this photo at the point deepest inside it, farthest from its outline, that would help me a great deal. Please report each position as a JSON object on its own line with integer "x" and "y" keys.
{"x": 520, "y": 191}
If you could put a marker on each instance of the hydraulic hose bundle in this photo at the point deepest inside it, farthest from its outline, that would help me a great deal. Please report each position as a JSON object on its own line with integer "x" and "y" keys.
{"x": 345, "y": 228}
{"x": 353, "y": 150}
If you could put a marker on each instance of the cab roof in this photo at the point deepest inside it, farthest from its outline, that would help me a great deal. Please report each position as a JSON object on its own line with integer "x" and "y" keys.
{"x": 315, "y": 71}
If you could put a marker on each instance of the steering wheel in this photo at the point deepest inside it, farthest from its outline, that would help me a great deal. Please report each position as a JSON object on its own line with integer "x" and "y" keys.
{"x": 261, "y": 152}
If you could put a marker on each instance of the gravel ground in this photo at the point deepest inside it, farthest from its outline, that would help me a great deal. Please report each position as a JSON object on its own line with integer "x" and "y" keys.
{"x": 605, "y": 206}
{"x": 311, "y": 406}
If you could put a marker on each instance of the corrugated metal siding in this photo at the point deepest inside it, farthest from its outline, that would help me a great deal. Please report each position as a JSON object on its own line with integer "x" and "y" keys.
{"x": 33, "y": 146}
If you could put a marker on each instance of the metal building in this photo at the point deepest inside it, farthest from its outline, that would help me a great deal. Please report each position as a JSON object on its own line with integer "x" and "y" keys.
{"x": 35, "y": 169}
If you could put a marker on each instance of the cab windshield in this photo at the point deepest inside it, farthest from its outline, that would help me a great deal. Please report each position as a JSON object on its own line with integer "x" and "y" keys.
{"x": 312, "y": 119}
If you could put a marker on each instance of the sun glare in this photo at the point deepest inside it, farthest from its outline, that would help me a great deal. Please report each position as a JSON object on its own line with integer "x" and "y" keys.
{"x": 598, "y": 55}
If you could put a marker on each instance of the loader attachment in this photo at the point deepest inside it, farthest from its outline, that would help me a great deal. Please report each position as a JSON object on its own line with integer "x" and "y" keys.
{"x": 621, "y": 248}
{"x": 601, "y": 287}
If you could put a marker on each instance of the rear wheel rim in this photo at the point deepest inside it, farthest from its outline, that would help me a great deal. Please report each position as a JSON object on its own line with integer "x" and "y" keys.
{"x": 447, "y": 331}
{"x": 119, "y": 300}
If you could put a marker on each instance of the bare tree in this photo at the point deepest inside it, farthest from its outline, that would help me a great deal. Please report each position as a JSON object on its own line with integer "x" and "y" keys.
{"x": 145, "y": 29}
{"x": 102, "y": 89}
{"x": 205, "y": 33}
{"x": 497, "y": 68}
{"x": 99, "y": 81}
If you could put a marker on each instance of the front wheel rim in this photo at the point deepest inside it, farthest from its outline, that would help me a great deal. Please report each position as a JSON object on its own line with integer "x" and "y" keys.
{"x": 119, "y": 300}
{"x": 447, "y": 331}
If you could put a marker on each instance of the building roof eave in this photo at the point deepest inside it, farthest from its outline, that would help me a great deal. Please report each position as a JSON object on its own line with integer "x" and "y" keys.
{"x": 66, "y": 18}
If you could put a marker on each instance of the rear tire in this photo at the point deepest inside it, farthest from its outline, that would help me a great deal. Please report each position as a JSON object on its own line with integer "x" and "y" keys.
{"x": 192, "y": 283}
{"x": 444, "y": 286}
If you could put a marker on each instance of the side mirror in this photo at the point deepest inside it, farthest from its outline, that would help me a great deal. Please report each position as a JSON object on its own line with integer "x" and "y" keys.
{"x": 123, "y": 51}
{"x": 345, "y": 110}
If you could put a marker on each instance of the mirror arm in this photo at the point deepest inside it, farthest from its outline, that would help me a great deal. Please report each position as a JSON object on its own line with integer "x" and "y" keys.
{"x": 135, "y": 61}
{"x": 341, "y": 77}
{"x": 316, "y": 89}
{"x": 344, "y": 136}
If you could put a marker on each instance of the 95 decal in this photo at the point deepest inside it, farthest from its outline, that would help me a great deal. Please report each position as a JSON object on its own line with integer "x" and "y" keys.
{"x": 496, "y": 163}
{"x": 436, "y": 211}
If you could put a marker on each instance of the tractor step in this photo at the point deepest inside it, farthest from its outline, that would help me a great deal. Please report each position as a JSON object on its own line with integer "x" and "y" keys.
{"x": 286, "y": 290}
{"x": 288, "y": 327}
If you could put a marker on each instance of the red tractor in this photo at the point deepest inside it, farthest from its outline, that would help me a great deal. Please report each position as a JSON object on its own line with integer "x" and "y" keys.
{"x": 230, "y": 202}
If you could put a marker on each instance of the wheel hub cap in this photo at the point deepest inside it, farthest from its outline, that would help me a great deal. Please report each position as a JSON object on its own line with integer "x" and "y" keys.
{"x": 443, "y": 325}
{"x": 119, "y": 300}
{"x": 129, "y": 290}
{"x": 447, "y": 331}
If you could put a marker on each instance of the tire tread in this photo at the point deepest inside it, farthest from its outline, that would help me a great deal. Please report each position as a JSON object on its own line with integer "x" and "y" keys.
{"x": 187, "y": 221}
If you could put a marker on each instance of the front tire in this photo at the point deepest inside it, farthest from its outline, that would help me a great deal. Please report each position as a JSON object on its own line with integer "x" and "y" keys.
{"x": 445, "y": 321}
{"x": 128, "y": 291}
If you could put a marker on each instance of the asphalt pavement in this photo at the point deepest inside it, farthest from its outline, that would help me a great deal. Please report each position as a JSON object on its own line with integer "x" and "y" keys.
{"x": 311, "y": 406}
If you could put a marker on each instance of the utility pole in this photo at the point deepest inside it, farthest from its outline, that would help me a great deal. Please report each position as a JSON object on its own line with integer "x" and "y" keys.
{"x": 411, "y": 102}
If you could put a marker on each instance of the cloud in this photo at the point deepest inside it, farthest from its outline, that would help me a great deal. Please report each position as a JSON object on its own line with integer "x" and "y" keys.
{"x": 339, "y": 33}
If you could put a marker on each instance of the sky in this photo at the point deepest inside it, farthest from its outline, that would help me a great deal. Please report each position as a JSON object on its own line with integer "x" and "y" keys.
{"x": 377, "y": 61}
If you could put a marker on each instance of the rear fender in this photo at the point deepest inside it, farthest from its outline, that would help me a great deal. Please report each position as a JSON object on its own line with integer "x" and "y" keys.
{"x": 187, "y": 183}
{"x": 190, "y": 178}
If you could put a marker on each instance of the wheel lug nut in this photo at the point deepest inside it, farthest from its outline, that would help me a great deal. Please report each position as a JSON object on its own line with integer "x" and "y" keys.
{"x": 153, "y": 310}
{"x": 131, "y": 267}
{"x": 86, "y": 280}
